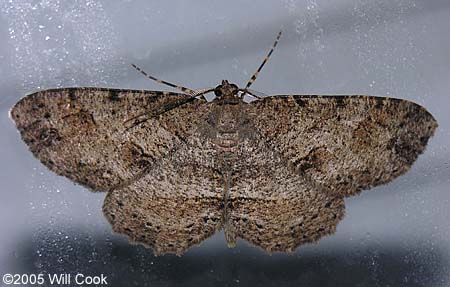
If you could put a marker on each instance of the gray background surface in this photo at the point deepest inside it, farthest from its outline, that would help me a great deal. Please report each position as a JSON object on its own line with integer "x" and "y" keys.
{"x": 393, "y": 235}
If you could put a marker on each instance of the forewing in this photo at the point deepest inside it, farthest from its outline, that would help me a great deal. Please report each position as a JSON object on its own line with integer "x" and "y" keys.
{"x": 344, "y": 144}
{"x": 80, "y": 133}
{"x": 179, "y": 203}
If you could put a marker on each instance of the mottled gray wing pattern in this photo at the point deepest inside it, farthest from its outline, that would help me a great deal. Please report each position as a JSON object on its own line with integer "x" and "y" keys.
{"x": 271, "y": 206}
{"x": 164, "y": 190}
{"x": 177, "y": 204}
{"x": 174, "y": 179}
{"x": 344, "y": 144}
{"x": 81, "y": 133}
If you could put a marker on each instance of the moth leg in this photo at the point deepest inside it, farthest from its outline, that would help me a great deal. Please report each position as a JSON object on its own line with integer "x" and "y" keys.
{"x": 202, "y": 93}
{"x": 135, "y": 121}
{"x": 250, "y": 93}
{"x": 154, "y": 113}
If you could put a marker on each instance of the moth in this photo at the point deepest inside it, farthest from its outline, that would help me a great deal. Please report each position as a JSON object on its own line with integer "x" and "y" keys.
{"x": 177, "y": 168}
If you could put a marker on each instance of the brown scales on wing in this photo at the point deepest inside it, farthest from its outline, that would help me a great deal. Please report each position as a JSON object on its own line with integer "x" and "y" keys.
{"x": 177, "y": 168}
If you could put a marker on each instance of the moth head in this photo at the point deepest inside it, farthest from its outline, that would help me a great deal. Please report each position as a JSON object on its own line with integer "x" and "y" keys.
{"x": 226, "y": 89}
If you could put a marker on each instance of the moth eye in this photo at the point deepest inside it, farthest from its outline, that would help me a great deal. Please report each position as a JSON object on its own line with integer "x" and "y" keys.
{"x": 218, "y": 92}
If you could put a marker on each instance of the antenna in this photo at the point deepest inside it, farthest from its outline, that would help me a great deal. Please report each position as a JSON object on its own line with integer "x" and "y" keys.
{"x": 253, "y": 78}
